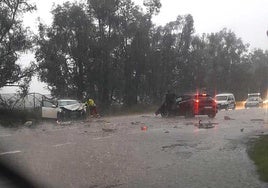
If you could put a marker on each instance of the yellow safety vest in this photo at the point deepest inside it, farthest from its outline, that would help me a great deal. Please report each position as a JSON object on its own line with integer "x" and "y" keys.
{"x": 91, "y": 102}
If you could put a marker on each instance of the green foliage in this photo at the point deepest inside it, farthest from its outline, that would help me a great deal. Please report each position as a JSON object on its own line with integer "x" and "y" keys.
{"x": 259, "y": 154}
{"x": 16, "y": 117}
{"x": 152, "y": 6}
{"x": 110, "y": 50}
{"x": 13, "y": 40}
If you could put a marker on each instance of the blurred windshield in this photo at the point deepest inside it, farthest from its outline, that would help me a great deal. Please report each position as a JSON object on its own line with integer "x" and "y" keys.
{"x": 253, "y": 99}
{"x": 221, "y": 98}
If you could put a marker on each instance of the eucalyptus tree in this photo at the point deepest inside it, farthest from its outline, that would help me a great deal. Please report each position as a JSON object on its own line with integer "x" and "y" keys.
{"x": 225, "y": 51}
{"x": 65, "y": 50}
{"x": 14, "y": 40}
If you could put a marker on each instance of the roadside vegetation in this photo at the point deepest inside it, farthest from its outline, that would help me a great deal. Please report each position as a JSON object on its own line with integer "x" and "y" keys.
{"x": 111, "y": 50}
{"x": 258, "y": 152}
{"x": 16, "y": 117}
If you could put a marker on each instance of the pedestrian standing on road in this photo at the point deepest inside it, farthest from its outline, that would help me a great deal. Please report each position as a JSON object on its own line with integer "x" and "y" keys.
{"x": 92, "y": 107}
{"x": 170, "y": 100}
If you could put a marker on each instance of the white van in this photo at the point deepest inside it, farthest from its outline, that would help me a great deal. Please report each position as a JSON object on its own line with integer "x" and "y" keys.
{"x": 225, "y": 101}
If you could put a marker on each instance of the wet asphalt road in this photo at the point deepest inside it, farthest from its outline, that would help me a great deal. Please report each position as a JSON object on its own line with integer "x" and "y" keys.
{"x": 115, "y": 152}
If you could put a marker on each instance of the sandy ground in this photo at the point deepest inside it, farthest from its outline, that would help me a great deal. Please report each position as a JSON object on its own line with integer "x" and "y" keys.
{"x": 115, "y": 151}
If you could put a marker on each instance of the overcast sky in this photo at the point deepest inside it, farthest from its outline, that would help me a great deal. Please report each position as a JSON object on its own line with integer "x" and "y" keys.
{"x": 247, "y": 18}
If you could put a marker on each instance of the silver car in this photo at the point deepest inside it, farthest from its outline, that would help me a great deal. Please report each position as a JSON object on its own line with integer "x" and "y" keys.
{"x": 225, "y": 101}
{"x": 254, "y": 102}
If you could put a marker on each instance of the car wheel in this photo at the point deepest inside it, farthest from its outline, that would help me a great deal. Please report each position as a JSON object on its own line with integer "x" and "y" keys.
{"x": 84, "y": 115}
{"x": 164, "y": 114}
{"x": 233, "y": 107}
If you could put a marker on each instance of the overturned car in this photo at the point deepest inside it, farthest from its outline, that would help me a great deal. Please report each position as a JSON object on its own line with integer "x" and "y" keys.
{"x": 188, "y": 105}
{"x": 63, "y": 109}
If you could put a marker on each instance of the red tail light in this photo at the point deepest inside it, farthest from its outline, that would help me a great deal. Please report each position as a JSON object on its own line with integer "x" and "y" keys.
{"x": 196, "y": 106}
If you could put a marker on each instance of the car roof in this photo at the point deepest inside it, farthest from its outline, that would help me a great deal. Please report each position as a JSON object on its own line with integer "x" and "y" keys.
{"x": 256, "y": 94}
{"x": 67, "y": 100}
{"x": 224, "y": 94}
{"x": 197, "y": 94}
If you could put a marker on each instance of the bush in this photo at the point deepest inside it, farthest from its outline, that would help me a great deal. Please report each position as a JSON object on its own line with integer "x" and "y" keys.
{"x": 16, "y": 117}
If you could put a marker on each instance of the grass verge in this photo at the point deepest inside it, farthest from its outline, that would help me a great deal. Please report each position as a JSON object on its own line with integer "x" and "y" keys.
{"x": 258, "y": 152}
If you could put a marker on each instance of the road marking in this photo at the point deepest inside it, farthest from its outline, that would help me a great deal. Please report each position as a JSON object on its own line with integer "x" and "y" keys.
{"x": 58, "y": 145}
{"x": 5, "y": 135}
{"x": 9, "y": 152}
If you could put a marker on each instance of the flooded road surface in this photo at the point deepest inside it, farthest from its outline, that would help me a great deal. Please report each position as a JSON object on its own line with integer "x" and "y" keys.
{"x": 139, "y": 151}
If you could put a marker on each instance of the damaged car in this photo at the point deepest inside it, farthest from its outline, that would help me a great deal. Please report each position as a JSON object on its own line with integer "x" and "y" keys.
{"x": 63, "y": 109}
{"x": 188, "y": 105}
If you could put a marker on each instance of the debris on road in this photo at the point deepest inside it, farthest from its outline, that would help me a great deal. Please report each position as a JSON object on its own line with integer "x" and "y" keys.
{"x": 28, "y": 123}
{"x": 228, "y": 118}
{"x": 207, "y": 125}
{"x": 136, "y": 123}
{"x": 64, "y": 122}
{"x": 242, "y": 129}
{"x": 262, "y": 120}
{"x": 172, "y": 146}
{"x": 144, "y": 128}
{"x": 108, "y": 130}
{"x": 166, "y": 131}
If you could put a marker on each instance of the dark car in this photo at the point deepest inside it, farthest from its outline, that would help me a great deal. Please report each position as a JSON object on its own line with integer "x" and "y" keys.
{"x": 189, "y": 106}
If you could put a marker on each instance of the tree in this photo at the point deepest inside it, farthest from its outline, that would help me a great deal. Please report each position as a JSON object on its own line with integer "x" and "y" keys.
{"x": 152, "y": 6}
{"x": 174, "y": 47}
{"x": 111, "y": 51}
{"x": 65, "y": 50}
{"x": 223, "y": 53}
{"x": 259, "y": 71}
{"x": 14, "y": 39}
{"x": 105, "y": 13}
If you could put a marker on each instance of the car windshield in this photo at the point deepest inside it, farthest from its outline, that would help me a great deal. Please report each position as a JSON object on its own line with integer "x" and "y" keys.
{"x": 253, "y": 99}
{"x": 221, "y": 98}
{"x": 66, "y": 102}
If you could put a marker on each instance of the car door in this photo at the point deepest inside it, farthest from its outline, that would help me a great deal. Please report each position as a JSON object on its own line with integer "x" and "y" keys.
{"x": 49, "y": 110}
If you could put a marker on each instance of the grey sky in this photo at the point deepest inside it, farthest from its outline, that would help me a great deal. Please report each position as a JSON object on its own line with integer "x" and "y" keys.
{"x": 247, "y": 18}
